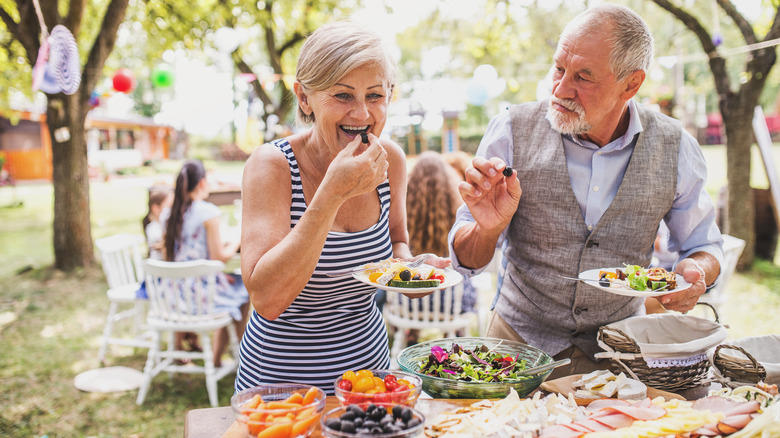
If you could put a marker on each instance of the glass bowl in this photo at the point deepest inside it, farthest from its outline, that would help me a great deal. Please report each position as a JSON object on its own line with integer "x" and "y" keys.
{"x": 438, "y": 387}
{"x": 260, "y": 408}
{"x": 336, "y": 413}
{"x": 405, "y": 397}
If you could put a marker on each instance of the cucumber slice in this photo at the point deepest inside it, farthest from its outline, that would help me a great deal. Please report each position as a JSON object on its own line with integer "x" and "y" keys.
{"x": 414, "y": 283}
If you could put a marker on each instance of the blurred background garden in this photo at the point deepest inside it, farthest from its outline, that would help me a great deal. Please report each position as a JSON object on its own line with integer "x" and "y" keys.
{"x": 211, "y": 80}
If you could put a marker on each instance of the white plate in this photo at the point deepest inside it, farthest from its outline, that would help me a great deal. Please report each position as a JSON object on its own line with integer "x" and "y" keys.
{"x": 592, "y": 278}
{"x": 451, "y": 278}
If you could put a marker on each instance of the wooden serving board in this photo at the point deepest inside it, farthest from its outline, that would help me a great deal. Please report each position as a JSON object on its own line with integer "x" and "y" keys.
{"x": 563, "y": 386}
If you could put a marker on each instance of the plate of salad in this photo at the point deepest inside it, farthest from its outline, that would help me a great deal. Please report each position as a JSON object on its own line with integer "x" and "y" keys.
{"x": 396, "y": 277}
{"x": 475, "y": 367}
{"x": 635, "y": 281}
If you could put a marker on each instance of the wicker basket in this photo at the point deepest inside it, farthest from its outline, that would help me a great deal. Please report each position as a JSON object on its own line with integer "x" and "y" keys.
{"x": 672, "y": 378}
{"x": 738, "y": 370}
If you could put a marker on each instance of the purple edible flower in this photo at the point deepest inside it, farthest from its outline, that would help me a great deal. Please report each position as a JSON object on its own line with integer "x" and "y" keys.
{"x": 474, "y": 355}
{"x": 439, "y": 353}
{"x": 449, "y": 371}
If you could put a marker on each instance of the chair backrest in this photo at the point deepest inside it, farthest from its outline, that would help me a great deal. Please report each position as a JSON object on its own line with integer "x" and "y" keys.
{"x": 432, "y": 311}
{"x": 121, "y": 256}
{"x": 732, "y": 249}
{"x": 181, "y": 291}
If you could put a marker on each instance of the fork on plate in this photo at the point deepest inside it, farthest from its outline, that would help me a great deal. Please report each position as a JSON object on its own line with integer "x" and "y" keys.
{"x": 416, "y": 262}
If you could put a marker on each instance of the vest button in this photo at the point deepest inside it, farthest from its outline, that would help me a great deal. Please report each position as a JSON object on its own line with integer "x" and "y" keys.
{"x": 589, "y": 244}
{"x": 578, "y": 310}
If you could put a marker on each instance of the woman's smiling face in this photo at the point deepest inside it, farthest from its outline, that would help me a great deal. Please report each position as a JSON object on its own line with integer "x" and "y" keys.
{"x": 356, "y": 103}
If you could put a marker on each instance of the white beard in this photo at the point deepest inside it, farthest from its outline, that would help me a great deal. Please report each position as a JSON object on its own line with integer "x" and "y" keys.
{"x": 565, "y": 123}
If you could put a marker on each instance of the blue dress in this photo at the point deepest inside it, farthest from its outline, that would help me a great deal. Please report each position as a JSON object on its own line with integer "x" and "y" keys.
{"x": 333, "y": 325}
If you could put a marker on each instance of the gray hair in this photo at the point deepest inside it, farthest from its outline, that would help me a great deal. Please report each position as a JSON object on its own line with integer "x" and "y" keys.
{"x": 629, "y": 36}
{"x": 332, "y": 51}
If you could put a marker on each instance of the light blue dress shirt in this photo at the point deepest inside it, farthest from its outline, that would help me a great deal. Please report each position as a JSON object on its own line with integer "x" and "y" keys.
{"x": 596, "y": 174}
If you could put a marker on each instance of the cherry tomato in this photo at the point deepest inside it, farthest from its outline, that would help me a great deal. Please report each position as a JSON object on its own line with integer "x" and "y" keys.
{"x": 437, "y": 277}
{"x": 364, "y": 373}
{"x": 402, "y": 388}
{"x": 345, "y": 385}
{"x": 379, "y": 384}
{"x": 391, "y": 385}
{"x": 403, "y": 382}
{"x": 349, "y": 375}
{"x": 390, "y": 378}
{"x": 363, "y": 384}
{"x": 382, "y": 397}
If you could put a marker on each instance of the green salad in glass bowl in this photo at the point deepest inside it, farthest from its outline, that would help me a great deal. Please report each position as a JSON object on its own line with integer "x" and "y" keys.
{"x": 475, "y": 367}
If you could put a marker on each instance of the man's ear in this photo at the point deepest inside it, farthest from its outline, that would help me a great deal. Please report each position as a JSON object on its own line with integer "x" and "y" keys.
{"x": 632, "y": 84}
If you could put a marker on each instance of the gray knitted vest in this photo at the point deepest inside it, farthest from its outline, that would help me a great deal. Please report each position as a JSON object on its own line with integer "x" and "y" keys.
{"x": 548, "y": 237}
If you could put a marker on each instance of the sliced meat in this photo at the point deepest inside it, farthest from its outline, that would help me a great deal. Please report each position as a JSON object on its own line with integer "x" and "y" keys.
{"x": 714, "y": 404}
{"x": 596, "y": 405}
{"x": 649, "y": 413}
{"x": 736, "y": 421}
{"x": 703, "y": 431}
{"x": 614, "y": 420}
{"x": 747, "y": 407}
{"x": 594, "y": 425}
{"x": 559, "y": 431}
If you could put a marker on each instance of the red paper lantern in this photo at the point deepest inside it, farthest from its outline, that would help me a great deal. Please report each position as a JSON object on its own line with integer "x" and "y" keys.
{"x": 123, "y": 80}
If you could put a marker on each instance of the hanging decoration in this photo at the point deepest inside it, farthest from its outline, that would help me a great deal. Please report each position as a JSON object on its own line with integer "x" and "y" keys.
{"x": 123, "y": 80}
{"x": 57, "y": 68}
{"x": 162, "y": 76}
{"x": 717, "y": 38}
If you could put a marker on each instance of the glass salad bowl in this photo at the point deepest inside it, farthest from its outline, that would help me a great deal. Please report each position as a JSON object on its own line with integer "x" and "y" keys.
{"x": 412, "y": 358}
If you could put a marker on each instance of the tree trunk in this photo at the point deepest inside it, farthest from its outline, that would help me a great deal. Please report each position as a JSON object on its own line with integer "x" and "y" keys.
{"x": 739, "y": 139}
{"x": 72, "y": 231}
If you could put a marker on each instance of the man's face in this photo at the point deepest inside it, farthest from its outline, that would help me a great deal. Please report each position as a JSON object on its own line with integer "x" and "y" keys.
{"x": 586, "y": 100}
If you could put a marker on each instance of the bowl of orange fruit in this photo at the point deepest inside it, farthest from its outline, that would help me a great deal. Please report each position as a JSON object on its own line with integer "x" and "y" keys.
{"x": 279, "y": 410}
{"x": 378, "y": 386}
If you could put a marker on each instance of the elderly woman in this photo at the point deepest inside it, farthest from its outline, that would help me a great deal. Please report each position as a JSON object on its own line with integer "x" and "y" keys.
{"x": 322, "y": 201}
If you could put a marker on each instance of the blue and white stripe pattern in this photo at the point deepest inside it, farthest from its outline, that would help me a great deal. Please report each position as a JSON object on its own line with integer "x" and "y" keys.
{"x": 333, "y": 325}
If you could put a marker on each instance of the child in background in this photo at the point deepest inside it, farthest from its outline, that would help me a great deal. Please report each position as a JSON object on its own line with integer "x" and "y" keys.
{"x": 431, "y": 204}
{"x": 160, "y": 198}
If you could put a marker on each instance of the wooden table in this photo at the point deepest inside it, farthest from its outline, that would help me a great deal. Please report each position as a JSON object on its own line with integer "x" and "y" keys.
{"x": 220, "y": 422}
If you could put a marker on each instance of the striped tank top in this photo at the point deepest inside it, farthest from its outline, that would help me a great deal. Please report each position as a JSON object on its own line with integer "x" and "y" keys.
{"x": 333, "y": 325}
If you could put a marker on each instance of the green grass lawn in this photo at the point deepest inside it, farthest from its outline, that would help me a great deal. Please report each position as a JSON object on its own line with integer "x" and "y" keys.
{"x": 51, "y": 322}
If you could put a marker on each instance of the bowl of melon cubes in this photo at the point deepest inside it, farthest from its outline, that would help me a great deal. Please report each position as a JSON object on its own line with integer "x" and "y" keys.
{"x": 279, "y": 410}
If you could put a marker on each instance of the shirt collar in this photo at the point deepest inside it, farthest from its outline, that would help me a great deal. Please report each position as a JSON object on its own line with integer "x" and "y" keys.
{"x": 634, "y": 128}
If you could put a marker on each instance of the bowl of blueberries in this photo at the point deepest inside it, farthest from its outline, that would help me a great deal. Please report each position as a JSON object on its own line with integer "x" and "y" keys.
{"x": 375, "y": 420}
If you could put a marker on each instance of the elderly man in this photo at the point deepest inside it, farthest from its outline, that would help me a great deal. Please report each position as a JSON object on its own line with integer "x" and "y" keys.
{"x": 595, "y": 173}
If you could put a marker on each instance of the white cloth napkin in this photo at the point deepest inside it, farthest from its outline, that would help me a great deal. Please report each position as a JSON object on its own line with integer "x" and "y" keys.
{"x": 671, "y": 339}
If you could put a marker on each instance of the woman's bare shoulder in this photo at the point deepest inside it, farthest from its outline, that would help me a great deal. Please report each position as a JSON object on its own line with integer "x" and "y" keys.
{"x": 264, "y": 161}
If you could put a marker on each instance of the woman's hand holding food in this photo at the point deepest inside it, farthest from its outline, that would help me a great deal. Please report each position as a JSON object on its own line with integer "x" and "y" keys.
{"x": 685, "y": 300}
{"x": 491, "y": 197}
{"x": 357, "y": 169}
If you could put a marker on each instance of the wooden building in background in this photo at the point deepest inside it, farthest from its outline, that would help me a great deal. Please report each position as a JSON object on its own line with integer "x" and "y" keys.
{"x": 112, "y": 144}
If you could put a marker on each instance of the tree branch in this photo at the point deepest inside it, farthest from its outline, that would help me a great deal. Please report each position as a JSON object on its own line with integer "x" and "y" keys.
{"x": 101, "y": 48}
{"x": 75, "y": 16}
{"x": 10, "y": 24}
{"x": 739, "y": 20}
{"x": 717, "y": 63}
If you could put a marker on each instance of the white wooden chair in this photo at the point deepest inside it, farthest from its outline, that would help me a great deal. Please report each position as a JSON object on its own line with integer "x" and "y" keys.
{"x": 732, "y": 249}
{"x": 121, "y": 256}
{"x": 441, "y": 311}
{"x": 181, "y": 299}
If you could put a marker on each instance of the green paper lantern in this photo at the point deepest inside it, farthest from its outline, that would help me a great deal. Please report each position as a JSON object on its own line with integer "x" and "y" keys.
{"x": 162, "y": 76}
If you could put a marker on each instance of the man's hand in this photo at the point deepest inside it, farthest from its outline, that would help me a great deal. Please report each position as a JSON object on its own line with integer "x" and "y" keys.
{"x": 685, "y": 300}
{"x": 492, "y": 198}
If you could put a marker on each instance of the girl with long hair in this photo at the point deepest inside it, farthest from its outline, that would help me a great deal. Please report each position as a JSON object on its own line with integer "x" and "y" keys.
{"x": 192, "y": 233}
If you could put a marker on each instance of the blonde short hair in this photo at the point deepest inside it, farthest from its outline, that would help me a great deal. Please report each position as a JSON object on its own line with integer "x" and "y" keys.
{"x": 334, "y": 50}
